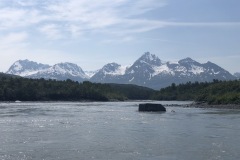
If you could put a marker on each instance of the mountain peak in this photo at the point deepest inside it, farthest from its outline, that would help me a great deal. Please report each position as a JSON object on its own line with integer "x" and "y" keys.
{"x": 60, "y": 71}
{"x": 25, "y": 67}
{"x": 67, "y": 65}
{"x": 67, "y": 68}
{"x": 149, "y": 58}
{"x": 113, "y": 68}
{"x": 25, "y": 60}
{"x": 108, "y": 73}
{"x": 187, "y": 60}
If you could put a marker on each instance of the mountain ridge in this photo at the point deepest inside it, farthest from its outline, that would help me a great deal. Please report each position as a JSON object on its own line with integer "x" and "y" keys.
{"x": 59, "y": 71}
{"x": 148, "y": 70}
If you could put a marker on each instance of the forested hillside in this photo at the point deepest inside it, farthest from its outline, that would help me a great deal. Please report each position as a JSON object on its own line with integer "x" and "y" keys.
{"x": 7, "y": 75}
{"x": 23, "y": 89}
{"x": 216, "y": 92}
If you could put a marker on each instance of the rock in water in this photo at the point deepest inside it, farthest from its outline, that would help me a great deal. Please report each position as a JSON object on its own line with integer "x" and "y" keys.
{"x": 150, "y": 107}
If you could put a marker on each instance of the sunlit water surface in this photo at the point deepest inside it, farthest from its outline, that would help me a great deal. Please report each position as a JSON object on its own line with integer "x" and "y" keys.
{"x": 116, "y": 131}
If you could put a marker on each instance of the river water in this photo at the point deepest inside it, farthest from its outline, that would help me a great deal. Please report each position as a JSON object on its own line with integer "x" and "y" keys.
{"x": 116, "y": 131}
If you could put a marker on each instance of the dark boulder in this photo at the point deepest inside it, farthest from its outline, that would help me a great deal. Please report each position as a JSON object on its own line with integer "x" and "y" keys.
{"x": 151, "y": 107}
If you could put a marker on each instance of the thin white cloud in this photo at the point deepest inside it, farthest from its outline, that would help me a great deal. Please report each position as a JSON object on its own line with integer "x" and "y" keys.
{"x": 13, "y": 40}
{"x": 119, "y": 40}
{"x": 51, "y": 31}
{"x": 117, "y": 17}
{"x": 141, "y": 6}
{"x": 203, "y": 24}
{"x": 10, "y": 17}
{"x": 104, "y": 14}
{"x": 12, "y": 46}
{"x": 98, "y": 21}
{"x": 13, "y": 18}
{"x": 90, "y": 15}
{"x": 27, "y": 3}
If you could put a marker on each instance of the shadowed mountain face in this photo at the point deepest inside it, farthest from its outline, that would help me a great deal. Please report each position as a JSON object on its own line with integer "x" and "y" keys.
{"x": 237, "y": 74}
{"x": 147, "y": 71}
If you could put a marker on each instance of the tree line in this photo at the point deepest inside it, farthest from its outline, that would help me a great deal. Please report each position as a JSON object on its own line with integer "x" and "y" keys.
{"x": 23, "y": 89}
{"x": 216, "y": 92}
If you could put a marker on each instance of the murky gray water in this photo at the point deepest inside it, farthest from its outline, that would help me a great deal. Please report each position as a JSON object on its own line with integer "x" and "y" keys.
{"x": 116, "y": 131}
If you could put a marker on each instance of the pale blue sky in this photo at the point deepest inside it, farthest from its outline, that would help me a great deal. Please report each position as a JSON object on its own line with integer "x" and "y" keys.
{"x": 92, "y": 33}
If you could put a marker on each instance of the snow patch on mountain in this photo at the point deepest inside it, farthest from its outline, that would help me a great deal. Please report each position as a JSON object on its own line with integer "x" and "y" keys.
{"x": 163, "y": 69}
{"x": 60, "y": 71}
{"x": 173, "y": 62}
{"x": 113, "y": 69}
{"x": 25, "y": 68}
{"x": 131, "y": 79}
{"x": 196, "y": 69}
{"x": 215, "y": 72}
{"x": 121, "y": 70}
{"x": 27, "y": 73}
{"x": 90, "y": 73}
{"x": 64, "y": 69}
{"x": 147, "y": 71}
{"x": 181, "y": 69}
{"x": 18, "y": 66}
{"x": 237, "y": 75}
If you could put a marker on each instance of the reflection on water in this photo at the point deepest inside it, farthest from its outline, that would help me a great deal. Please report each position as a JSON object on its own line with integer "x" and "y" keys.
{"x": 116, "y": 130}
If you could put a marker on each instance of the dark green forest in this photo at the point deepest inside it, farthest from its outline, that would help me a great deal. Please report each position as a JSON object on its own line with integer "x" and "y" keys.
{"x": 23, "y": 89}
{"x": 216, "y": 92}
{"x": 14, "y": 88}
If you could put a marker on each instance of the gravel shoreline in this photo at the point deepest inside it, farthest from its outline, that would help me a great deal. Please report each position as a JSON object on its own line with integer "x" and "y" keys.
{"x": 205, "y": 105}
{"x": 219, "y": 106}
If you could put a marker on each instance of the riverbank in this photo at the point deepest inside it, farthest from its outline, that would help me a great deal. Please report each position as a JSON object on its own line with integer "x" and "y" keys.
{"x": 219, "y": 106}
{"x": 205, "y": 105}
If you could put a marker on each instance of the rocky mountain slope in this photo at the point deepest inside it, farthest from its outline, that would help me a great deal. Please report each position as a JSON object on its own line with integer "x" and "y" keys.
{"x": 152, "y": 72}
{"x": 237, "y": 74}
{"x": 147, "y": 71}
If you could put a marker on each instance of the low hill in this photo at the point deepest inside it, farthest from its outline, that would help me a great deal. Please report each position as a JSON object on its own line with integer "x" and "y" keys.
{"x": 132, "y": 92}
{"x": 24, "y": 89}
{"x": 7, "y": 75}
{"x": 216, "y": 92}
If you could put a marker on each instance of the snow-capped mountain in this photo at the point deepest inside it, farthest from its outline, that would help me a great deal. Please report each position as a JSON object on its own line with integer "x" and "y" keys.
{"x": 147, "y": 71}
{"x": 60, "y": 71}
{"x": 110, "y": 73}
{"x": 152, "y": 72}
{"x": 186, "y": 70}
{"x": 25, "y": 68}
{"x": 142, "y": 69}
